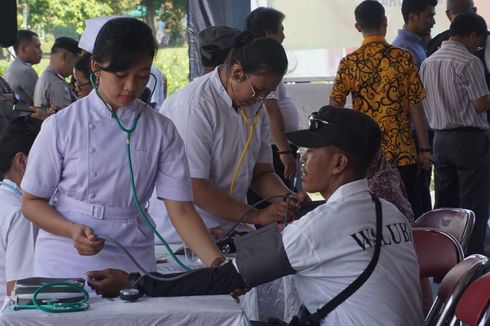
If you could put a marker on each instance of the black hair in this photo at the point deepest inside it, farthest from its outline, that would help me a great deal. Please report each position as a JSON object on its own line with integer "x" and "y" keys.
{"x": 215, "y": 44}
{"x": 17, "y": 138}
{"x": 121, "y": 42}
{"x": 467, "y": 23}
{"x": 369, "y": 14}
{"x": 219, "y": 56}
{"x": 415, "y": 6}
{"x": 65, "y": 43}
{"x": 457, "y": 7}
{"x": 23, "y": 36}
{"x": 263, "y": 20}
{"x": 358, "y": 164}
{"x": 83, "y": 65}
{"x": 258, "y": 55}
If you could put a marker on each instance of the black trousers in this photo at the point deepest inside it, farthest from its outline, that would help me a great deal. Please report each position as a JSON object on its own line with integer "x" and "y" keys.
{"x": 423, "y": 201}
{"x": 408, "y": 174}
{"x": 461, "y": 177}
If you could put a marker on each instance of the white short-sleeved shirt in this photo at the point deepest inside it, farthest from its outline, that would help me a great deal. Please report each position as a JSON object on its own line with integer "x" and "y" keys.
{"x": 81, "y": 153}
{"x": 17, "y": 236}
{"x": 215, "y": 134}
{"x": 287, "y": 106}
{"x": 332, "y": 245}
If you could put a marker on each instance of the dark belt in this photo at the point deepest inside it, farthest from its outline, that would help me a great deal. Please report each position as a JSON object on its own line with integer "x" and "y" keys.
{"x": 460, "y": 129}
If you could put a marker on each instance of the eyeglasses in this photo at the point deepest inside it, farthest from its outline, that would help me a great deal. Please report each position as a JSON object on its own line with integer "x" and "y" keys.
{"x": 315, "y": 122}
{"x": 254, "y": 93}
{"x": 78, "y": 85}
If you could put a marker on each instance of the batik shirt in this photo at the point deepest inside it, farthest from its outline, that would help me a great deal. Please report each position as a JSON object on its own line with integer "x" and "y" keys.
{"x": 384, "y": 83}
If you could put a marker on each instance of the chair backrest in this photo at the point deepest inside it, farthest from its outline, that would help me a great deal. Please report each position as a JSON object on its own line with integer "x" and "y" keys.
{"x": 473, "y": 303}
{"x": 437, "y": 251}
{"x": 452, "y": 286}
{"x": 458, "y": 222}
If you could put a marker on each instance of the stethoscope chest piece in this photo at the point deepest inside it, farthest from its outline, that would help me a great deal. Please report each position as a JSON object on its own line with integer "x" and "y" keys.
{"x": 129, "y": 295}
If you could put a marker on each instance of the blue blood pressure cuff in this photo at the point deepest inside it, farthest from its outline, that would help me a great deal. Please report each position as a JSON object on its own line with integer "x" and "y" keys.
{"x": 261, "y": 256}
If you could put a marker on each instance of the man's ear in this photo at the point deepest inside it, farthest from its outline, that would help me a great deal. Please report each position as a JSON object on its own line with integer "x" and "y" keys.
{"x": 359, "y": 29}
{"x": 341, "y": 162}
{"x": 20, "y": 161}
{"x": 237, "y": 72}
{"x": 413, "y": 17}
{"x": 63, "y": 54}
{"x": 448, "y": 15}
{"x": 385, "y": 22}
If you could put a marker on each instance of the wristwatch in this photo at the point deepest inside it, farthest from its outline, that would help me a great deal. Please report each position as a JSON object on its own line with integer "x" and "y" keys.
{"x": 133, "y": 280}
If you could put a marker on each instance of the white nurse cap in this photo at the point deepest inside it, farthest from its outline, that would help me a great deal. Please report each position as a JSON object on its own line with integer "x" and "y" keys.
{"x": 92, "y": 28}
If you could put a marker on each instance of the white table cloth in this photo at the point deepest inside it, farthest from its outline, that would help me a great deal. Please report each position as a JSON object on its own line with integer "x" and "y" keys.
{"x": 175, "y": 311}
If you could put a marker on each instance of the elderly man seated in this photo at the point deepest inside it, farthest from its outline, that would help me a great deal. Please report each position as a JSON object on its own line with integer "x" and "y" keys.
{"x": 353, "y": 233}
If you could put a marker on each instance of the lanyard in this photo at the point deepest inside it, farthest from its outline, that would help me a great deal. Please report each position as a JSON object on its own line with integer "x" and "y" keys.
{"x": 251, "y": 127}
{"x": 11, "y": 188}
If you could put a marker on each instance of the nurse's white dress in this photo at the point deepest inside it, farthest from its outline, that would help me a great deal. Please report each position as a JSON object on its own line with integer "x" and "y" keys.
{"x": 81, "y": 153}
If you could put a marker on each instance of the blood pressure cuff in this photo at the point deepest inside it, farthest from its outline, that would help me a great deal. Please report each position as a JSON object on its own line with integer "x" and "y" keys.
{"x": 204, "y": 281}
{"x": 261, "y": 256}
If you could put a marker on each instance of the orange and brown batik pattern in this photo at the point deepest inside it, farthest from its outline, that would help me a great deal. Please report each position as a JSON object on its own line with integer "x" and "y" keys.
{"x": 384, "y": 83}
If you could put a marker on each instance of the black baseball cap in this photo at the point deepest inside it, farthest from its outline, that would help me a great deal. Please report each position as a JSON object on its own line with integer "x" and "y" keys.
{"x": 346, "y": 129}
{"x": 215, "y": 40}
{"x": 68, "y": 44}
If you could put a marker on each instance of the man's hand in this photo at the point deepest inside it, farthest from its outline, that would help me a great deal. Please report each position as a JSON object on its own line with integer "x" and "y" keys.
{"x": 85, "y": 241}
{"x": 289, "y": 163}
{"x": 108, "y": 282}
{"x": 55, "y": 108}
{"x": 424, "y": 160}
{"x": 217, "y": 232}
{"x": 9, "y": 97}
{"x": 40, "y": 113}
{"x": 236, "y": 293}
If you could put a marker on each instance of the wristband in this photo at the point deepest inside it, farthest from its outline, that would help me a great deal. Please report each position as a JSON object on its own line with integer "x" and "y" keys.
{"x": 220, "y": 261}
{"x": 425, "y": 150}
{"x": 284, "y": 152}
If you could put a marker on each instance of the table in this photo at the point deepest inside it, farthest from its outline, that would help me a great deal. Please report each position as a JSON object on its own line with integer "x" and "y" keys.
{"x": 278, "y": 298}
{"x": 176, "y": 311}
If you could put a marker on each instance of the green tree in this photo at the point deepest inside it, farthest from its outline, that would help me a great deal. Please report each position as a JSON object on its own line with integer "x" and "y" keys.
{"x": 151, "y": 7}
{"x": 172, "y": 13}
{"x": 43, "y": 14}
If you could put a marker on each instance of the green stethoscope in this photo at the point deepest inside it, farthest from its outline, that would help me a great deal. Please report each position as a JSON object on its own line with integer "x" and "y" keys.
{"x": 57, "y": 307}
{"x": 51, "y": 306}
{"x": 129, "y": 132}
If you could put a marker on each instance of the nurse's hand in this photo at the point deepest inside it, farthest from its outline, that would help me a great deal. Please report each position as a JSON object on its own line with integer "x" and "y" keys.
{"x": 276, "y": 211}
{"x": 85, "y": 241}
{"x": 301, "y": 197}
{"x": 108, "y": 282}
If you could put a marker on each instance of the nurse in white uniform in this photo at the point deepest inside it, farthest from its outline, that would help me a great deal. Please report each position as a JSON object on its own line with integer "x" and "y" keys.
{"x": 81, "y": 153}
{"x": 224, "y": 125}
